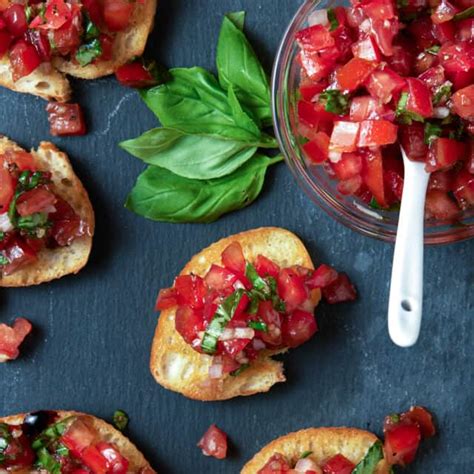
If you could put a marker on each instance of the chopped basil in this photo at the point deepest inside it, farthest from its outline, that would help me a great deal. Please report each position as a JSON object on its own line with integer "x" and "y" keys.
{"x": 120, "y": 419}
{"x": 2, "y": 235}
{"x": 32, "y": 222}
{"x": 257, "y": 281}
{"x": 406, "y": 116}
{"x": 368, "y": 465}
{"x": 458, "y": 132}
{"x": 46, "y": 461}
{"x": 402, "y": 3}
{"x": 468, "y": 13}
{"x": 333, "y": 21}
{"x": 239, "y": 370}
{"x": 91, "y": 30}
{"x": 62, "y": 451}
{"x": 394, "y": 417}
{"x": 375, "y": 205}
{"x": 5, "y": 437}
{"x": 258, "y": 326}
{"x": 88, "y": 52}
{"x": 28, "y": 181}
{"x": 263, "y": 289}
{"x": 432, "y": 131}
{"x": 50, "y": 434}
{"x": 3, "y": 261}
{"x": 225, "y": 312}
{"x": 335, "y": 101}
{"x": 306, "y": 454}
{"x": 433, "y": 49}
{"x": 278, "y": 303}
{"x": 28, "y": 13}
{"x": 443, "y": 93}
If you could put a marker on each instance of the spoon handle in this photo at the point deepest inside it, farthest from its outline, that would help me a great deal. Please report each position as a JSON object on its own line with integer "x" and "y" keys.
{"x": 406, "y": 289}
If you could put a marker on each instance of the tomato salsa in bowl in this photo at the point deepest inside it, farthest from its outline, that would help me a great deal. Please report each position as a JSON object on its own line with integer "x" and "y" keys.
{"x": 352, "y": 83}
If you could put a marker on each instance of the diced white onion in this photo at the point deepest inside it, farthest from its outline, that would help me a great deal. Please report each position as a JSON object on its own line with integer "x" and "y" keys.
{"x": 334, "y": 156}
{"x": 237, "y": 333}
{"x": 5, "y": 224}
{"x": 258, "y": 344}
{"x": 440, "y": 112}
{"x": 319, "y": 17}
{"x": 238, "y": 285}
{"x": 216, "y": 369}
{"x": 366, "y": 26}
{"x": 307, "y": 464}
{"x": 49, "y": 210}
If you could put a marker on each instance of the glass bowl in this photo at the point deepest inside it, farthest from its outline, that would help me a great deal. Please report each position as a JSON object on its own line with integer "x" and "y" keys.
{"x": 349, "y": 210}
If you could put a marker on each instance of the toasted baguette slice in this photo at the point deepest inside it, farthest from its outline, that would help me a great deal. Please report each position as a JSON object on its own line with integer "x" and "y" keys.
{"x": 178, "y": 367}
{"x": 323, "y": 443}
{"x": 108, "y": 433}
{"x": 49, "y": 81}
{"x": 56, "y": 263}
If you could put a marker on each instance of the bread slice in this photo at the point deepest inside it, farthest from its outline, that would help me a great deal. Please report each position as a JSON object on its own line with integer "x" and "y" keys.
{"x": 178, "y": 367}
{"x": 56, "y": 263}
{"x": 108, "y": 433}
{"x": 323, "y": 443}
{"x": 49, "y": 81}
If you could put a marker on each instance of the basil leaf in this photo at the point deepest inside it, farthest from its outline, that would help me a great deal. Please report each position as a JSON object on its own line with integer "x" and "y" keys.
{"x": 306, "y": 454}
{"x": 432, "y": 131}
{"x": 371, "y": 459}
{"x": 241, "y": 118}
{"x": 239, "y": 67}
{"x": 3, "y": 261}
{"x": 163, "y": 196}
{"x": 335, "y": 101}
{"x": 468, "y": 13}
{"x": 406, "y": 116}
{"x": 189, "y": 156}
{"x": 442, "y": 93}
{"x": 258, "y": 326}
{"x": 38, "y": 219}
{"x": 88, "y": 52}
{"x": 224, "y": 313}
{"x": 333, "y": 21}
{"x": 193, "y": 102}
{"x": 46, "y": 461}
{"x": 257, "y": 281}
{"x": 120, "y": 419}
{"x": 238, "y": 371}
{"x": 433, "y": 49}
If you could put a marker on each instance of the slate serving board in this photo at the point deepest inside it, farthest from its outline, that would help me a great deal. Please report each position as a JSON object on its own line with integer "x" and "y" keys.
{"x": 93, "y": 331}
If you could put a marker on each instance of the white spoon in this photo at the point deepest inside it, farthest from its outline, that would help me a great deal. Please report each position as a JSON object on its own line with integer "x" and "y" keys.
{"x": 406, "y": 289}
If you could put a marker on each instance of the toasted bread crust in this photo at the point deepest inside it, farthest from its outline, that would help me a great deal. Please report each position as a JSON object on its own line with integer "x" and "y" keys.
{"x": 108, "y": 432}
{"x": 176, "y": 366}
{"x": 323, "y": 443}
{"x": 56, "y": 263}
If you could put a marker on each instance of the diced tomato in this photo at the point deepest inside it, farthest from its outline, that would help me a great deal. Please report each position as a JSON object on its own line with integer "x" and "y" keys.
{"x": 366, "y": 107}
{"x": 57, "y": 14}
{"x": 393, "y": 186}
{"x": 273, "y": 320}
{"x": 39, "y": 199}
{"x": 191, "y": 290}
{"x": 344, "y": 40}
{"x": 423, "y": 418}
{"x": 314, "y": 38}
{"x": 442, "y": 180}
{"x": 19, "y": 254}
{"x": 79, "y": 436}
{"x": 366, "y": 48}
{"x": 135, "y": 74}
{"x": 456, "y": 57}
{"x": 167, "y": 298}
{"x": 379, "y": 9}
{"x": 376, "y": 133}
{"x": 433, "y": 77}
{"x": 107, "y": 45}
{"x": 463, "y": 102}
{"x": 402, "y": 60}
{"x": 220, "y": 279}
{"x": 233, "y": 347}
{"x": 94, "y": 460}
{"x": 12, "y": 337}
{"x": 94, "y": 10}
{"x": 15, "y": 19}
{"x": 315, "y": 66}
{"x": 355, "y": 15}
{"x": 65, "y": 119}
{"x": 266, "y": 267}
{"x": 445, "y": 11}
{"x": 419, "y": 98}
{"x": 384, "y": 32}
{"x": 348, "y": 166}
{"x": 18, "y": 454}
{"x": 117, "y": 14}
{"x": 317, "y": 149}
{"x": 298, "y": 327}
{"x": 68, "y": 38}
{"x": 464, "y": 189}
{"x": 447, "y": 31}
{"x": 7, "y": 187}
{"x": 340, "y": 290}
{"x": 188, "y": 323}
{"x": 401, "y": 444}
{"x": 233, "y": 258}
{"x": 214, "y": 443}
{"x": 338, "y": 465}
{"x": 41, "y": 42}
{"x": 412, "y": 138}
{"x": 422, "y": 33}
{"x": 440, "y": 206}
{"x": 344, "y": 136}
{"x": 313, "y": 117}
{"x": 291, "y": 288}
{"x": 277, "y": 464}
{"x": 24, "y": 59}
{"x": 323, "y": 276}
{"x": 372, "y": 175}
{"x": 384, "y": 83}
{"x": 354, "y": 73}
{"x": 351, "y": 186}
{"x": 5, "y": 41}
{"x": 308, "y": 89}
{"x": 444, "y": 153}
{"x": 464, "y": 30}
{"x": 116, "y": 463}
{"x": 67, "y": 225}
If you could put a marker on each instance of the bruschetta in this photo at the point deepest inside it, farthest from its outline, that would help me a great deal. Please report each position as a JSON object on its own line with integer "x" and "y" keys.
{"x": 41, "y": 42}
{"x": 234, "y": 305}
{"x": 66, "y": 441}
{"x": 346, "y": 450}
{"x": 46, "y": 217}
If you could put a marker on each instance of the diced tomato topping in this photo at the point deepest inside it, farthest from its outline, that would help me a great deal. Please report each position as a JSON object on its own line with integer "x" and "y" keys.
{"x": 313, "y": 118}
{"x": 233, "y": 258}
{"x": 445, "y": 11}
{"x": 351, "y": 186}
{"x": 440, "y": 206}
{"x": 116, "y": 463}
{"x": 456, "y": 57}
{"x": 167, "y": 298}
{"x": 366, "y": 107}
{"x": 214, "y": 443}
{"x": 401, "y": 60}
{"x": 273, "y": 320}
{"x": 384, "y": 83}
{"x": 323, "y": 276}
{"x": 419, "y": 98}
{"x": 338, "y": 464}
{"x": 7, "y": 187}
{"x": 265, "y": 267}
{"x": 412, "y": 138}
{"x": 340, "y": 290}
{"x": 277, "y": 464}
{"x": 39, "y": 199}
{"x": 18, "y": 454}
{"x": 220, "y": 279}
{"x": 135, "y": 74}
{"x": 191, "y": 290}
{"x": 65, "y": 119}
{"x": 376, "y": 133}
{"x": 94, "y": 460}
{"x": 384, "y": 32}
{"x": 316, "y": 65}
{"x": 298, "y": 327}
{"x": 401, "y": 444}
{"x": 41, "y": 43}
{"x": 117, "y": 14}
{"x": 19, "y": 254}
{"x": 433, "y": 77}
{"x": 444, "y": 153}
{"x": 67, "y": 38}
{"x": 107, "y": 45}
{"x": 15, "y": 19}
{"x": 308, "y": 89}
{"x": 5, "y": 41}
{"x": 366, "y": 48}
{"x": 79, "y": 436}
{"x": 354, "y": 73}
{"x": 317, "y": 149}
{"x": 188, "y": 323}
{"x": 423, "y": 418}
{"x": 67, "y": 225}
{"x": 12, "y": 337}
{"x": 344, "y": 136}
{"x": 464, "y": 30}
{"x": 315, "y": 38}
{"x": 291, "y": 288}
{"x": 57, "y": 14}
{"x": 464, "y": 189}
{"x": 94, "y": 10}
{"x": 24, "y": 59}
{"x": 348, "y": 166}
{"x": 445, "y": 32}
{"x": 372, "y": 174}
{"x": 463, "y": 102}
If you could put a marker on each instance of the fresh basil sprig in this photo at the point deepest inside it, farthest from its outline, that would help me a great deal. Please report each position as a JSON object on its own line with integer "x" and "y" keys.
{"x": 371, "y": 459}
{"x": 204, "y": 161}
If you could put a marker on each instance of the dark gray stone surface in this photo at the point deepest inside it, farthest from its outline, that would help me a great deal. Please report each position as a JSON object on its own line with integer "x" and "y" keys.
{"x": 93, "y": 331}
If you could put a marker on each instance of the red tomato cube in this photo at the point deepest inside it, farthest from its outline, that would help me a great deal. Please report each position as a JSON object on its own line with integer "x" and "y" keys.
{"x": 348, "y": 166}
{"x": 376, "y": 133}
{"x": 12, "y": 337}
{"x": 382, "y": 84}
{"x": 338, "y": 465}
{"x": 24, "y": 59}
{"x": 314, "y": 38}
{"x": 298, "y": 327}
{"x": 463, "y": 102}
{"x": 317, "y": 149}
{"x": 401, "y": 443}
{"x": 340, "y": 290}
{"x": 373, "y": 175}
{"x": 354, "y": 73}
{"x": 214, "y": 443}
{"x": 444, "y": 153}
{"x": 419, "y": 98}
{"x": 366, "y": 48}
{"x": 440, "y": 206}
{"x": 464, "y": 189}
{"x": 65, "y": 119}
